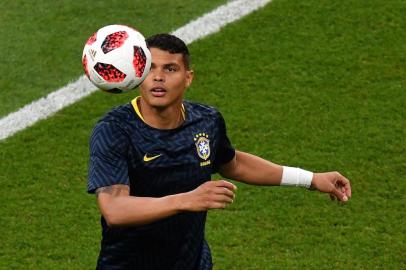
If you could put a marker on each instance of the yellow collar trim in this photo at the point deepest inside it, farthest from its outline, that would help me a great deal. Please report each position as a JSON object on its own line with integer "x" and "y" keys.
{"x": 134, "y": 102}
{"x": 183, "y": 111}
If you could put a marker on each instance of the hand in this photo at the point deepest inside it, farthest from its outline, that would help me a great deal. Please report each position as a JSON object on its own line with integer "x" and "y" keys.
{"x": 210, "y": 195}
{"x": 334, "y": 183}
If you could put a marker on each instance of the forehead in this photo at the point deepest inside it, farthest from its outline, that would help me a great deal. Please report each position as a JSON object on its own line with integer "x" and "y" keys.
{"x": 161, "y": 57}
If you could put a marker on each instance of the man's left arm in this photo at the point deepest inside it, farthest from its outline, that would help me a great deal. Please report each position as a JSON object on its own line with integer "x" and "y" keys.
{"x": 251, "y": 169}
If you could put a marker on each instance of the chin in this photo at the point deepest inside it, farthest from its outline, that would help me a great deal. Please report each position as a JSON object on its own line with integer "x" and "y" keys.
{"x": 159, "y": 103}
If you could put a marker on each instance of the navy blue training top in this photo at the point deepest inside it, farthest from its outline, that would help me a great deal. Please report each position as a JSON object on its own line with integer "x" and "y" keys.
{"x": 155, "y": 163}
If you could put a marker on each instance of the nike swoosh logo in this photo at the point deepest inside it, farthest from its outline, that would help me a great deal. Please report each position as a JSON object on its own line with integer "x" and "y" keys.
{"x": 146, "y": 158}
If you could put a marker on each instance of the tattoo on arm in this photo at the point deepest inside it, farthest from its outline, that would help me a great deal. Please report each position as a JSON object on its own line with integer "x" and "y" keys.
{"x": 114, "y": 190}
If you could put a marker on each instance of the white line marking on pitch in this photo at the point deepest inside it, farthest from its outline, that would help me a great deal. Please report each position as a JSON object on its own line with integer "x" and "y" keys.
{"x": 44, "y": 107}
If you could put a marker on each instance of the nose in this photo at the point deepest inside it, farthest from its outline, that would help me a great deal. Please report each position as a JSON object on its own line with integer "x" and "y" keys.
{"x": 158, "y": 75}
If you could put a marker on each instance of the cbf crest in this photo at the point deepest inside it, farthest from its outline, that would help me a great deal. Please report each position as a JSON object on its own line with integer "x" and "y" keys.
{"x": 202, "y": 143}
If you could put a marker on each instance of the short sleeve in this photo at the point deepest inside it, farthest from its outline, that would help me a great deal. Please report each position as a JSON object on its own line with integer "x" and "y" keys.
{"x": 225, "y": 152}
{"x": 108, "y": 156}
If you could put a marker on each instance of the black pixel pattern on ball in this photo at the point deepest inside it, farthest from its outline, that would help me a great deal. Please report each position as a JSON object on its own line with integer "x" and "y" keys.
{"x": 109, "y": 72}
{"x": 114, "y": 41}
{"x": 139, "y": 61}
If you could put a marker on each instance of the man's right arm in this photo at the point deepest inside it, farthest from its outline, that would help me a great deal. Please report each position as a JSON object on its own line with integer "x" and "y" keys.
{"x": 120, "y": 209}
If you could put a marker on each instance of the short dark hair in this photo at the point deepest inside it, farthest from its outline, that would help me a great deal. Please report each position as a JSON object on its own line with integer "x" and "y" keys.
{"x": 171, "y": 44}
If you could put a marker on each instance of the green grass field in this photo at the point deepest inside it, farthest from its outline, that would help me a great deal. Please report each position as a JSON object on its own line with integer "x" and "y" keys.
{"x": 315, "y": 84}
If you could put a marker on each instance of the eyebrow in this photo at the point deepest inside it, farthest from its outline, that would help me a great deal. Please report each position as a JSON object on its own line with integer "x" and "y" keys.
{"x": 166, "y": 65}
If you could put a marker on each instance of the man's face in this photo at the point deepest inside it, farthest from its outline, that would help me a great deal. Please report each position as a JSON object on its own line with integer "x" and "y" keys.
{"x": 167, "y": 80}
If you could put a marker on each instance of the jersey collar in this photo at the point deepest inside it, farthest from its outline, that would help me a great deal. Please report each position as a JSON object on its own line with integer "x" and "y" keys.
{"x": 134, "y": 103}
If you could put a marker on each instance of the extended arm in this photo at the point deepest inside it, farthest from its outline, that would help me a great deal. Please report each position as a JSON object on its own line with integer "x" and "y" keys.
{"x": 254, "y": 170}
{"x": 120, "y": 209}
{"x": 250, "y": 169}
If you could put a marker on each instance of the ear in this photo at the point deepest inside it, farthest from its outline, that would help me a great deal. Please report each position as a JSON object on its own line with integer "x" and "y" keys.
{"x": 189, "y": 77}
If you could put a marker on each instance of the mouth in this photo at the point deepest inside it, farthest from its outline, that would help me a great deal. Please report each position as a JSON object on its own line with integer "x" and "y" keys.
{"x": 158, "y": 91}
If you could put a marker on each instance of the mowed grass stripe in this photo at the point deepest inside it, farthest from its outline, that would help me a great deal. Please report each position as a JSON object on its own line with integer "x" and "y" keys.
{"x": 301, "y": 84}
{"x": 43, "y": 108}
{"x": 42, "y": 41}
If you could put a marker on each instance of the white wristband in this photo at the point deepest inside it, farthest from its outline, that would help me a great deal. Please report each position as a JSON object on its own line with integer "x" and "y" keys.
{"x": 296, "y": 177}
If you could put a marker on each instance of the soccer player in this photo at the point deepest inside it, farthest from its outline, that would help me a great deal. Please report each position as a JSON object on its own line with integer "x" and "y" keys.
{"x": 151, "y": 162}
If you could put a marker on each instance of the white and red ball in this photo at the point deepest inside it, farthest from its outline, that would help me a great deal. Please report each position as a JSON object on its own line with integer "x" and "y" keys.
{"x": 116, "y": 58}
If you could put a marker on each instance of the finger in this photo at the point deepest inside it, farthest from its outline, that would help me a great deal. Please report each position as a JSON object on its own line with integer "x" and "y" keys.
{"x": 226, "y": 184}
{"x": 217, "y": 205}
{"x": 344, "y": 182}
{"x": 340, "y": 187}
{"x": 339, "y": 195}
{"x": 223, "y": 199}
{"x": 347, "y": 187}
{"x": 224, "y": 191}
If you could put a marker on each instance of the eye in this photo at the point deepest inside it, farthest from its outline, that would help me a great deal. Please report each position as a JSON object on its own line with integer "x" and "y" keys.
{"x": 171, "y": 68}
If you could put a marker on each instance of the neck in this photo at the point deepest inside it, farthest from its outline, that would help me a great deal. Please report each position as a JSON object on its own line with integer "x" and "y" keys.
{"x": 161, "y": 118}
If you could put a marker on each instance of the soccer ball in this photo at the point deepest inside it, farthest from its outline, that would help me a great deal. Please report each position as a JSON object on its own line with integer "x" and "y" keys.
{"x": 116, "y": 58}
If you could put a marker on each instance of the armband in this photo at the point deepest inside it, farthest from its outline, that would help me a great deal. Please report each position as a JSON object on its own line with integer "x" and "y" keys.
{"x": 296, "y": 177}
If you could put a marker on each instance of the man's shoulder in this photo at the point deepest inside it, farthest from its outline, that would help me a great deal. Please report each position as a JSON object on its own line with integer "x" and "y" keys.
{"x": 200, "y": 110}
{"x": 120, "y": 113}
{"x": 115, "y": 120}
